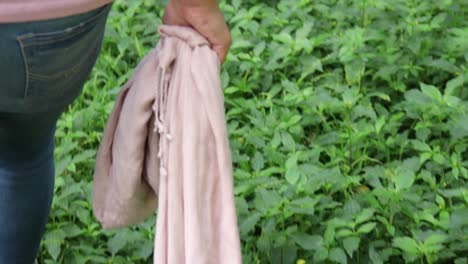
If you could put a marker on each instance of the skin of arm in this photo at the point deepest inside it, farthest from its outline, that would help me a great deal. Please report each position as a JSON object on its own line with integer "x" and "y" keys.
{"x": 197, "y": 3}
{"x": 204, "y": 16}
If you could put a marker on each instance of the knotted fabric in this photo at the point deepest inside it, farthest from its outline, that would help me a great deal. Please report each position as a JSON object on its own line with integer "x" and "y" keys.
{"x": 166, "y": 148}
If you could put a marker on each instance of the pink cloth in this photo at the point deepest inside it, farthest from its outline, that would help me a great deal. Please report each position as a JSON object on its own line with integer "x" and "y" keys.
{"x": 166, "y": 146}
{"x": 33, "y": 10}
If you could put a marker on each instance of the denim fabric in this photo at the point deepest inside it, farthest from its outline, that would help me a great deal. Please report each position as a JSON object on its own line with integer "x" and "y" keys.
{"x": 43, "y": 67}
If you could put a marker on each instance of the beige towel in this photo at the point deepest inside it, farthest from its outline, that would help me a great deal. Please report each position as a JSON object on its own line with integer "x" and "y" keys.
{"x": 166, "y": 146}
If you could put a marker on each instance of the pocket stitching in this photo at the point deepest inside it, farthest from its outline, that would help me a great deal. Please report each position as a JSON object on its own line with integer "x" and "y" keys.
{"x": 26, "y": 68}
{"x": 41, "y": 77}
{"x": 22, "y": 41}
{"x": 75, "y": 31}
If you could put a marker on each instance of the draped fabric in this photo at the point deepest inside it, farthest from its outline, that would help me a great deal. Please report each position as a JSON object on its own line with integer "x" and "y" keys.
{"x": 166, "y": 148}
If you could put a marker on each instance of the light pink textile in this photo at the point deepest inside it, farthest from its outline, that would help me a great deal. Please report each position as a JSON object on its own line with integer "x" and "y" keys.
{"x": 33, "y": 10}
{"x": 184, "y": 168}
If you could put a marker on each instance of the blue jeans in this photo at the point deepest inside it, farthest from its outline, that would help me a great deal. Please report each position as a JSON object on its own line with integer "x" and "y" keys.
{"x": 43, "y": 67}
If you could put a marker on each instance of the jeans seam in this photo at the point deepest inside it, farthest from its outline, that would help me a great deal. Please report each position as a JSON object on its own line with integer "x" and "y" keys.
{"x": 25, "y": 66}
{"x": 79, "y": 28}
{"x": 53, "y": 40}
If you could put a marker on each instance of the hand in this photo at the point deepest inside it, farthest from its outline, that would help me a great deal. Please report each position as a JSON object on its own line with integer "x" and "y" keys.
{"x": 205, "y": 17}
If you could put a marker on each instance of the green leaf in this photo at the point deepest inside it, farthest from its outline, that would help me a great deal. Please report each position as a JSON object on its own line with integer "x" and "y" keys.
{"x": 351, "y": 244}
{"x": 72, "y": 230}
{"x": 406, "y": 244}
{"x": 461, "y": 260}
{"x": 266, "y": 199}
{"x": 304, "y": 31}
{"x": 454, "y": 84}
{"x": 270, "y": 171}
{"x": 53, "y": 241}
{"x": 257, "y": 161}
{"x": 338, "y": 255}
{"x": 288, "y": 141}
{"x": 117, "y": 242}
{"x": 320, "y": 255}
{"x": 259, "y": 48}
{"x": 284, "y": 37}
{"x": 431, "y": 91}
{"x": 329, "y": 234}
{"x": 291, "y": 162}
{"x": 292, "y": 175}
{"x": 308, "y": 242}
{"x": 350, "y": 97}
{"x": 344, "y": 232}
{"x": 411, "y": 164}
{"x": 231, "y": 90}
{"x": 439, "y": 158}
{"x": 276, "y": 141}
{"x": 86, "y": 155}
{"x": 289, "y": 252}
{"x": 294, "y": 119}
{"x": 404, "y": 180}
{"x": 364, "y": 215}
{"x": 438, "y": 19}
{"x": 459, "y": 126}
{"x": 339, "y": 222}
{"x": 224, "y": 79}
{"x": 379, "y": 124}
{"x": 425, "y": 156}
{"x": 421, "y": 146}
{"x": 352, "y": 207}
{"x": 435, "y": 238}
{"x": 380, "y": 95}
{"x": 241, "y": 174}
{"x": 62, "y": 165}
{"x": 366, "y": 228}
{"x": 310, "y": 65}
{"x": 146, "y": 249}
{"x": 374, "y": 256}
{"x": 249, "y": 223}
{"x": 416, "y": 98}
{"x": 426, "y": 216}
{"x": 459, "y": 218}
{"x": 354, "y": 71}
{"x": 240, "y": 44}
{"x": 443, "y": 64}
{"x": 444, "y": 219}
{"x": 264, "y": 243}
{"x": 303, "y": 205}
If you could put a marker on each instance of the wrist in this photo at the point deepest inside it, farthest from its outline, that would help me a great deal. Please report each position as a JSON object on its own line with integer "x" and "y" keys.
{"x": 188, "y": 6}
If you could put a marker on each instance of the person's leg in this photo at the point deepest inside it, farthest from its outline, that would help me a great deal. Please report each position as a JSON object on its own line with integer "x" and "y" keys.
{"x": 43, "y": 67}
{"x": 26, "y": 183}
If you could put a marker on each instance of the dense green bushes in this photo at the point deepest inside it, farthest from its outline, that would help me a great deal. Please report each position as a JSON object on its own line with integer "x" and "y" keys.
{"x": 348, "y": 123}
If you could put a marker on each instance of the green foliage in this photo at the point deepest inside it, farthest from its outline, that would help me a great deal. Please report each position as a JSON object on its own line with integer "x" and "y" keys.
{"x": 347, "y": 122}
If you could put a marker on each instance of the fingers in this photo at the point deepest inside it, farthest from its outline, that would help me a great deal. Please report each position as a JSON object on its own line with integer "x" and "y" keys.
{"x": 221, "y": 44}
{"x": 215, "y": 29}
{"x": 207, "y": 20}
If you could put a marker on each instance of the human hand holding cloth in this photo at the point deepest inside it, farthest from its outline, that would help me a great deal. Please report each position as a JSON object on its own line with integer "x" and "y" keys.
{"x": 205, "y": 17}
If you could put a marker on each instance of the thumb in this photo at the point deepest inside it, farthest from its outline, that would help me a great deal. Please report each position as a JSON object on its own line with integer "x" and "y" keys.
{"x": 221, "y": 51}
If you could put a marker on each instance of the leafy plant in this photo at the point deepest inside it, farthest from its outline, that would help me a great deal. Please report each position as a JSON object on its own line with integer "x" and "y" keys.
{"x": 348, "y": 128}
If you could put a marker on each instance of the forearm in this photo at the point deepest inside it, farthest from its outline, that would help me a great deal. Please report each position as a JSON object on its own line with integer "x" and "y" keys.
{"x": 196, "y": 3}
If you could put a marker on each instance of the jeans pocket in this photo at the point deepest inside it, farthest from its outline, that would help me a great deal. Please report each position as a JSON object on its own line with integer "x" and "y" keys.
{"x": 58, "y": 63}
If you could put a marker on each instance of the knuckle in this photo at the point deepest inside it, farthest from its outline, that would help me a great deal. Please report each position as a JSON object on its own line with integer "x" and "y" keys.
{"x": 228, "y": 40}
